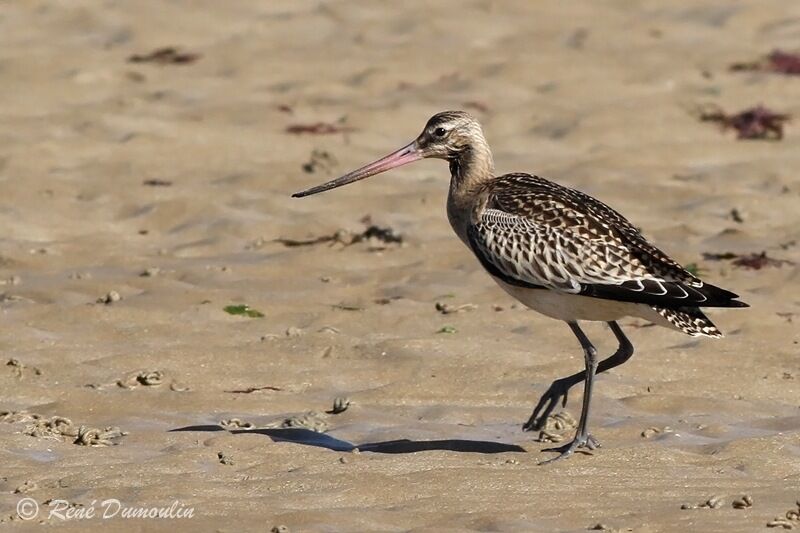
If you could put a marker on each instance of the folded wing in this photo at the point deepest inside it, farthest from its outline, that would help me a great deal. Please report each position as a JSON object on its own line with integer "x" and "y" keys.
{"x": 534, "y": 233}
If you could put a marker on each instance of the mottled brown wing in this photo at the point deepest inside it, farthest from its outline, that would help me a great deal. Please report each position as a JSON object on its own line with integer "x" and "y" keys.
{"x": 548, "y": 203}
{"x": 536, "y": 233}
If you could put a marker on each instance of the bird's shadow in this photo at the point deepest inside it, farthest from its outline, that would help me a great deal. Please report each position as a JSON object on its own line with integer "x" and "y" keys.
{"x": 321, "y": 440}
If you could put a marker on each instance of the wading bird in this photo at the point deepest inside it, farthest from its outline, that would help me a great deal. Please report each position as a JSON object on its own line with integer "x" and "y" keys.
{"x": 558, "y": 251}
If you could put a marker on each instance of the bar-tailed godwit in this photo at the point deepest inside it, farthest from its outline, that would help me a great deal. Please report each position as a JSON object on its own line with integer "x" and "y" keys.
{"x": 558, "y": 251}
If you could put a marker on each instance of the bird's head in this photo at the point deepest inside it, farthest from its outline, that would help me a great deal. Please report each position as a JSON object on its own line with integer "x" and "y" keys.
{"x": 448, "y": 135}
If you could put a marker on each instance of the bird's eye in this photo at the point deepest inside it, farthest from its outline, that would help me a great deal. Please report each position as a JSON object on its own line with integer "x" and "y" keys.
{"x": 439, "y": 132}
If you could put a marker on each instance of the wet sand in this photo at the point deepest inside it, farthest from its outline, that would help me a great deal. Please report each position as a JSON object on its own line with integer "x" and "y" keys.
{"x": 596, "y": 95}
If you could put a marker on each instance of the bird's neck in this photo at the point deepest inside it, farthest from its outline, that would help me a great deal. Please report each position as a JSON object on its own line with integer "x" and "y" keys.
{"x": 471, "y": 168}
{"x": 469, "y": 173}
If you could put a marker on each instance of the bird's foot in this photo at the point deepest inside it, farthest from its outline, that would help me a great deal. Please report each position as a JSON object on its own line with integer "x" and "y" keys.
{"x": 555, "y": 394}
{"x": 586, "y": 441}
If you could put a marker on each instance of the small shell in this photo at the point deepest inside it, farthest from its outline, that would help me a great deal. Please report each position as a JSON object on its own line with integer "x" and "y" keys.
{"x": 715, "y": 502}
{"x": 780, "y": 522}
{"x": 236, "y": 423}
{"x": 549, "y": 436}
{"x": 109, "y": 298}
{"x": 650, "y": 432}
{"x": 744, "y": 502}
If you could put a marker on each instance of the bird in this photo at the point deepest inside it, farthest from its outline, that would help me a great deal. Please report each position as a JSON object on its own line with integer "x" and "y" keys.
{"x": 559, "y": 252}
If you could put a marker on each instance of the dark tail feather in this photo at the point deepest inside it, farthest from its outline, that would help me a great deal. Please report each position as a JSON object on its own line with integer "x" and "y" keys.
{"x": 691, "y": 321}
{"x": 718, "y": 297}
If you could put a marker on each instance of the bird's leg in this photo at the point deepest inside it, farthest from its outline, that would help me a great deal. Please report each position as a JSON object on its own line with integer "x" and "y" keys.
{"x": 559, "y": 389}
{"x": 582, "y": 437}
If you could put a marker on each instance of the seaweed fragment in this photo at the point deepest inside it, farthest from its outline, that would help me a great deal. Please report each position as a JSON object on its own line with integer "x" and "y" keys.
{"x": 754, "y": 123}
{"x": 155, "y": 182}
{"x": 167, "y": 55}
{"x": 378, "y": 237}
{"x": 753, "y": 261}
{"x": 319, "y": 160}
{"x": 250, "y": 390}
{"x": 318, "y": 128}
{"x": 243, "y": 310}
{"x": 777, "y": 61}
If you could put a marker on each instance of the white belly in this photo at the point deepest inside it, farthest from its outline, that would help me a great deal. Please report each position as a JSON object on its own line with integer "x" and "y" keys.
{"x": 571, "y": 307}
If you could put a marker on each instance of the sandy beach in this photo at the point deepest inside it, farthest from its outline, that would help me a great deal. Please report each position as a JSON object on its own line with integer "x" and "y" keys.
{"x": 174, "y": 327}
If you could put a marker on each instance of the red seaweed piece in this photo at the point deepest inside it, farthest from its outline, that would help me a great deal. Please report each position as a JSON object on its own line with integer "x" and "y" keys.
{"x": 754, "y": 123}
{"x": 758, "y": 261}
{"x": 753, "y": 261}
{"x": 777, "y": 61}
{"x": 784, "y": 62}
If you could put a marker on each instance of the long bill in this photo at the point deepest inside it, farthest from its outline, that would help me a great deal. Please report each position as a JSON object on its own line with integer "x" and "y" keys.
{"x": 403, "y": 156}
